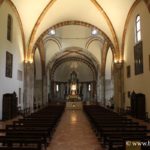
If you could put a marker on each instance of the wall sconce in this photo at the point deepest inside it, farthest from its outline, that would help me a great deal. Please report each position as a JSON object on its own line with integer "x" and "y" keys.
{"x": 118, "y": 63}
{"x": 28, "y": 61}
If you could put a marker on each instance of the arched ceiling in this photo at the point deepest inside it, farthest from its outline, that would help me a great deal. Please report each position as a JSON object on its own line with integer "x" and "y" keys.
{"x": 73, "y": 56}
{"x": 109, "y": 16}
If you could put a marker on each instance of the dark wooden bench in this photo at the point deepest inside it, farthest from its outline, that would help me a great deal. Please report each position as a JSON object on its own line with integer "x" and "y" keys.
{"x": 114, "y": 128}
{"x": 32, "y": 132}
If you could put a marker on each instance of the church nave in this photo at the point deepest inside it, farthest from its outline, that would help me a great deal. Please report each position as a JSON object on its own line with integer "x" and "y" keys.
{"x": 74, "y": 133}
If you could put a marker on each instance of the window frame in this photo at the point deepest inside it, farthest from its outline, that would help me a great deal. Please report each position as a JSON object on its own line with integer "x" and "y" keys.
{"x": 9, "y": 27}
{"x": 138, "y": 35}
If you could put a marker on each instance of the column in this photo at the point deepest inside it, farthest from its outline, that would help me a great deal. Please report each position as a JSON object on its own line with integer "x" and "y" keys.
{"x": 29, "y": 86}
{"x": 118, "y": 86}
{"x": 45, "y": 90}
{"x": 103, "y": 89}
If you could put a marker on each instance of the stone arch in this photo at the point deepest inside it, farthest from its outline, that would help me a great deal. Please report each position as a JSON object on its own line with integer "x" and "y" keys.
{"x": 50, "y": 4}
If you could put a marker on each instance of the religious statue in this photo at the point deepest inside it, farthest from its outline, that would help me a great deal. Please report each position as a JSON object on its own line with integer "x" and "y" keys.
{"x": 73, "y": 87}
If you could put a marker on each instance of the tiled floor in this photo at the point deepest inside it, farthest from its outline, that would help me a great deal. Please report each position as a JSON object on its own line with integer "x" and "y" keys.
{"x": 74, "y": 133}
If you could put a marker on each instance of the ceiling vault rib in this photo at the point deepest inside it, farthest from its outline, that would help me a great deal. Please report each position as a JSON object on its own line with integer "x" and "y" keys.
{"x": 30, "y": 44}
{"x": 97, "y": 5}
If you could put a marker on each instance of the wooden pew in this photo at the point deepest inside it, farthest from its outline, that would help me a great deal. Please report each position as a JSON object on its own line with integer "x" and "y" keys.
{"x": 114, "y": 128}
{"x": 35, "y": 129}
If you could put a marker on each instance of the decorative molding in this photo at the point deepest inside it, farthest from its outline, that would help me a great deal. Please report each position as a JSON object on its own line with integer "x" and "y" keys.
{"x": 54, "y": 40}
{"x": 92, "y": 40}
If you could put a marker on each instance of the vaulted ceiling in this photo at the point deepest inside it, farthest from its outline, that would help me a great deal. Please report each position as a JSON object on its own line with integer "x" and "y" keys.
{"x": 109, "y": 16}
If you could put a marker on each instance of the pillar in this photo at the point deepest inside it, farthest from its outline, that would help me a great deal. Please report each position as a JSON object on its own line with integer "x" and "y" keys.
{"x": 45, "y": 90}
{"x": 118, "y": 86}
{"x": 103, "y": 90}
{"x": 29, "y": 86}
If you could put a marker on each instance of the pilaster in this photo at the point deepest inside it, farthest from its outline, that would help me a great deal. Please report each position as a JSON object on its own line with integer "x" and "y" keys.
{"x": 118, "y": 86}
{"x": 29, "y": 86}
{"x": 45, "y": 90}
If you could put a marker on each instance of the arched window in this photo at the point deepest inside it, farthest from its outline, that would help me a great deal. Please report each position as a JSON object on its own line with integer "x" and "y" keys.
{"x": 57, "y": 87}
{"x": 9, "y": 27}
{"x": 138, "y": 29}
{"x": 89, "y": 87}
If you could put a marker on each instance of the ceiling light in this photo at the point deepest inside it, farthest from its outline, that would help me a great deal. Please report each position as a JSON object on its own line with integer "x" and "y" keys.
{"x": 52, "y": 32}
{"x": 94, "y": 31}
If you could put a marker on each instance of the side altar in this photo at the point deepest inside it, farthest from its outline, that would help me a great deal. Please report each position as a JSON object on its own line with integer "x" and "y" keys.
{"x": 73, "y": 98}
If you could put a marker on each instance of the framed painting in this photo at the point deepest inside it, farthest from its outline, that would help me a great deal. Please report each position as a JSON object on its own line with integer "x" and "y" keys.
{"x": 9, "y": 65}
{"x": 138, "y": 58}
{"x": 128, "y": 71}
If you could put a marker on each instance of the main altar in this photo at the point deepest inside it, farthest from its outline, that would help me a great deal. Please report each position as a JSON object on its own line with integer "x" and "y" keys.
{"x": 73, "y": 98}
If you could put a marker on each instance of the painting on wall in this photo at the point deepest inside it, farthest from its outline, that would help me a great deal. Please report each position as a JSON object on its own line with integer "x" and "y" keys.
{"x": 9, "y": 66}
{"x": 138, "y": 58}
{"x": 128, "y": 71}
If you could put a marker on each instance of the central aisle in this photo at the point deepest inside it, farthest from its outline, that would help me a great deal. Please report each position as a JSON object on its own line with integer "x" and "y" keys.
{"x": 74, "y": 133}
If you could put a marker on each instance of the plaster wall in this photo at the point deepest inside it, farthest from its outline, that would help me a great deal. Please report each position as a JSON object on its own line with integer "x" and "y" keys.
{"x": 9, "y": 85}
{"x": 139, "y": 83}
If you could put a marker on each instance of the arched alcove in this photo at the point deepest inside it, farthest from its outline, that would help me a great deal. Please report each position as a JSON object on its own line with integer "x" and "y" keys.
{"x": 38, "y": 83}
{"x": 109, "y": 81}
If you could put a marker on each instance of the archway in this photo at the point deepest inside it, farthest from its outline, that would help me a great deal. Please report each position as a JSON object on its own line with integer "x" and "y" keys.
{"x": 63, "y": 64}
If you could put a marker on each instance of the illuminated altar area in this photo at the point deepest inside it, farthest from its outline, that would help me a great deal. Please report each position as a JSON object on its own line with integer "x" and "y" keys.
{"x": 73, "y": 98}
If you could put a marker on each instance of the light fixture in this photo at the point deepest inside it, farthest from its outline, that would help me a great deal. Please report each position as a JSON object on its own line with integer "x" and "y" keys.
{"x": 94, "y": 31}
{"x": 52, "y": 32}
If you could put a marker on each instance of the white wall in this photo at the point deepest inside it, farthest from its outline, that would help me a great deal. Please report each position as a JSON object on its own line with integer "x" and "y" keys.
{"x": 9, "y": 85}
{"x": 51, "y": 48}
{"x": 95, "y": 49}
{"x": 138, "y": 83}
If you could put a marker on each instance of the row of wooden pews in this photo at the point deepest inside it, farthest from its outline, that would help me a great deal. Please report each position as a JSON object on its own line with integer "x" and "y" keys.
{"x": 32, "y": 132}
{"x": 117, "y": 132}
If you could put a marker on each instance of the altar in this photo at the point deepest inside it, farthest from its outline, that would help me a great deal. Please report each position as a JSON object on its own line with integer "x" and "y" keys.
{"x": 73, "y": 98}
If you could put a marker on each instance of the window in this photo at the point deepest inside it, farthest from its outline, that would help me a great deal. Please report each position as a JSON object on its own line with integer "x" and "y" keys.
{"x": 9, "y": 27}
{"x": 9, "y": 65}
{"x": 57, "y": 87}
{"x": 89, "y": 87}
{"x": 138, "y": 29}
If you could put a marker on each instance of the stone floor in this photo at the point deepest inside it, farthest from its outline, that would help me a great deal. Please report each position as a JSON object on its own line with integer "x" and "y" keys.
{"x": 74, "y": 133}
